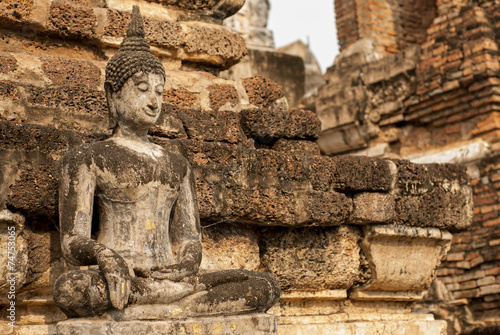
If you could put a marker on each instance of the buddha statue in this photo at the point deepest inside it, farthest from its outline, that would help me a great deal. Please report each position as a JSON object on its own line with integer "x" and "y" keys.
{"x": 147, "y": 249}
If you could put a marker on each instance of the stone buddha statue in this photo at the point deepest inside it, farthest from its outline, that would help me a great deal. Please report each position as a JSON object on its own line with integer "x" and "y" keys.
{"x": 148, "y": 248}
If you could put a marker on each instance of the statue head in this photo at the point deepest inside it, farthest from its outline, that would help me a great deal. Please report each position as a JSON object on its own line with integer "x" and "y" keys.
{"x": 134, "y": 78}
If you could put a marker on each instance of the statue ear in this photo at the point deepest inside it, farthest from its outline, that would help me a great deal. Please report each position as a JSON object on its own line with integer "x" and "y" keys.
{"x": 113, "y": 115}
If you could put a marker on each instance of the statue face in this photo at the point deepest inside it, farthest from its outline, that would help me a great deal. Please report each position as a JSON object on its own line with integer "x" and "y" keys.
{"x": 138, "y": 104}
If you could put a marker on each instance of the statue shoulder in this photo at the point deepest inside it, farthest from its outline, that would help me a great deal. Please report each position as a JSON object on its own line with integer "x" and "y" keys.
{"x": 81, "y": 154}
{"x": 177, "y": 160}
{"x": 87, "y": 154}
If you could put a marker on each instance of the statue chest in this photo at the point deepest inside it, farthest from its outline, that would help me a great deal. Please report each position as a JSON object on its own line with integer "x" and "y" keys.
{"x": 130, "y": 179}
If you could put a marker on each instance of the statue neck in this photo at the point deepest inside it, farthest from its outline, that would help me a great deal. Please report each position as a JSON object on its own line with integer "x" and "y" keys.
{"x": 130, "y": 134}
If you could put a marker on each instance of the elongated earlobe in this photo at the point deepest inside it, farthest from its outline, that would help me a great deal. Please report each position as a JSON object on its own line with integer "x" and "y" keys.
{"x": 113, "y": 115}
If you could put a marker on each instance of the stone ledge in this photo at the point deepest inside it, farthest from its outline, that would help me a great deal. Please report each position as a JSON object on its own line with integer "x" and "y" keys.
{"x": 343, "y": 324}
{"x": 316, "y": 295}
{"x": 258, "y": 324}
{"x": 310, "y": 190}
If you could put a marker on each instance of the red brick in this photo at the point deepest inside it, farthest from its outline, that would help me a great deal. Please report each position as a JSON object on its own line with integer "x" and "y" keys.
{"x": 476, "y": 261}
{"x": 464, "y": 265}
{"x": 456, "y": 256}
{"x": 466, "y": 294}
{"x": 486, "y": 281}
{"x": 468, "y": 285}
{"x": 491, "y": 289}
{"x": 490, "y": 223}
{"x": 472, "y": 255}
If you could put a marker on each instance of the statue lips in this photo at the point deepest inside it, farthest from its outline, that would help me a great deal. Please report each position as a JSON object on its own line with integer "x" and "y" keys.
{"x": 151, "y": 112}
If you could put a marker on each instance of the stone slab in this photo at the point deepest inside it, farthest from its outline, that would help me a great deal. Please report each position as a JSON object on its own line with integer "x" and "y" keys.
{"x": 386, "y": 295}
{"x": 316, "y": 295}
{"x": 258, "y": 324}
{"x": 402, "y": 259}
{"x": 346, "y": 324}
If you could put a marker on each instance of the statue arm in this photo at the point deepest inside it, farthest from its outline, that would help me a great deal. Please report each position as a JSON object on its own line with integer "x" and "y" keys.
{"x": 76, "y": 199}
{"x": 186, "y": 224}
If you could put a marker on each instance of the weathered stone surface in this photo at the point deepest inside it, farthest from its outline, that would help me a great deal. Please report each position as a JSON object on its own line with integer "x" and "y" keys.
{"x": 168, "y": 126}
{"x": 373, "y": 208}
{"x": 163, "y": 34}
{"x": 194, "y": 4}
{"x": 230, "y": 246}
{"x": 262, "y": 91}
{"x": 222, "y": 126}
{"x": 15, "y": 11}
{"x": 342, "y": 173}
{"x": 416, "y": 179}
{"x": 342, "y": 139}
{"x": 312, "y": 259}
{"x": 175, "y": 99}
{"x": 71, "y": 72}
{"x": 258, "y": 324}
{"x": 221, "y": 95}
{"x": 214, "y": 41}
{"x": 15, "y": 136}
{"x": 441, "y": 208}
{"x": 30, "y": 161}
{"x": 273, "y": 123}
{"x": 296, "y": 147}
{"x": 8, "y": 90}
{"x": 241, "y": 184}
{"x": 206, "y": 11}
{"x": 285, "y": 73}
{"x": 401, "y": 259}
{"x": 353, "y": 112}
{"x": 74, "y": 21}
{"x": 437, "y": 194}
{"x": 77, "y": 107}
{"x": 116, "y": 24}
{"x": 7, "y": 63}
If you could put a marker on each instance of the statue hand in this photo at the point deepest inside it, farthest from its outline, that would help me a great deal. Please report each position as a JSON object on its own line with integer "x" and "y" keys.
{"x": 175, "y": 272}
{"x": 115, "y": 270}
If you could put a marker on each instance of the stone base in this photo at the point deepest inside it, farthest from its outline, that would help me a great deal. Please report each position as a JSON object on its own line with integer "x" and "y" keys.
{"x": 258, "y": 324}
{"x": 351, "y": 324}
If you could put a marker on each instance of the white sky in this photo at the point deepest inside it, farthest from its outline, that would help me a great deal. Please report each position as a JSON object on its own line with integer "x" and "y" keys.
{"x": 291, "y": 20}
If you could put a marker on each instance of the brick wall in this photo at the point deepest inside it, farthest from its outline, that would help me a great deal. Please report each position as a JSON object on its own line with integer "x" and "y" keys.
{"x": 444, "y": 95}
{"x": 393, "y": 24}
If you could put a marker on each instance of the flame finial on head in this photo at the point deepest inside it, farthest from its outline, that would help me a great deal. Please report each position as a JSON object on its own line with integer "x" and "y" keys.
{"x": 133, "y": 56}
{"x": 135, "y": 26}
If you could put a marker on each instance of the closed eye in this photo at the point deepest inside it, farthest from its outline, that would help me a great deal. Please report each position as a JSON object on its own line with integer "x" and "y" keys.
{"x": 143, "y": 86}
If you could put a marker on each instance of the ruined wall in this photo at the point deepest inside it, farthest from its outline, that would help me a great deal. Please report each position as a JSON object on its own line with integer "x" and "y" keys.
{"x": 332, "y": 230}
{"x": 433, "y": 101}
{"x": 394, "y": 24}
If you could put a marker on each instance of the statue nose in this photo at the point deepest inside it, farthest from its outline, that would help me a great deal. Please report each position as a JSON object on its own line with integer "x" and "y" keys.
{"x": 153, "y": 104}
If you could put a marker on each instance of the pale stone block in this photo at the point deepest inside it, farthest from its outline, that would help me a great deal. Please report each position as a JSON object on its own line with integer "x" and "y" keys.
{"x": 258, "y": 324}
{"x": 306, "y": 307}
{"x": 458, "y": 154}
{"x": 387, "y": 295}
{"x": 309, "y": 302}
{"x": 318, "y": 295}
{"x": 437, "y": 327}
{"x": 365, "y": 324}
{"x": 402, "y": 260}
